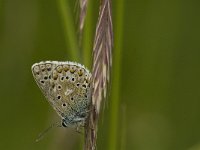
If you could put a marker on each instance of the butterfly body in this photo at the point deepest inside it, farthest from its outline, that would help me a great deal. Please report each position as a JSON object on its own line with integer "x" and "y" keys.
{"x": 66, "y": 86}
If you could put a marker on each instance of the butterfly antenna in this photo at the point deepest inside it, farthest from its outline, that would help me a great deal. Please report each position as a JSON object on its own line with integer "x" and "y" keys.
{"x": 41, "y": 135}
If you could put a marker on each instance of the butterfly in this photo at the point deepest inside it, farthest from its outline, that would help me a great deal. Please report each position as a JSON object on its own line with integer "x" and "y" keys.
{"x": 66, "y": 86}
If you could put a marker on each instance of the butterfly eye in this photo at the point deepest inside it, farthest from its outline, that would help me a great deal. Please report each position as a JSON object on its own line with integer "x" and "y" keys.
{"x": 64, "y": 123}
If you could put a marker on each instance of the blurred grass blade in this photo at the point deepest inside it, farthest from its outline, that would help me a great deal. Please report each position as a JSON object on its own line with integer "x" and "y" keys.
{"x": 88, "y": 35}
{"x": 115, "y": 91}
{"x": 102, "y": 61}
{"x": 82, "y": 15}
{"x": 81, "y": 7}
{"x": 69, "y": 29}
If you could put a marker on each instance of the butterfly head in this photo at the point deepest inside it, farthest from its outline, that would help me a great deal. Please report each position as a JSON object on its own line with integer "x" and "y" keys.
{"x": 64, "y": 123}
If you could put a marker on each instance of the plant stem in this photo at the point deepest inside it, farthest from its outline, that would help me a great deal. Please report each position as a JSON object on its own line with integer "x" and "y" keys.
{"x": 69, "y": 29}
{"x": 88, "y": 36}
{"x": 115, "y": 90}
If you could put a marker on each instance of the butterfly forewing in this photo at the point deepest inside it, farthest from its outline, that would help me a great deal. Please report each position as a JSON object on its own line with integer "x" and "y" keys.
{"x": 66, "y": 86}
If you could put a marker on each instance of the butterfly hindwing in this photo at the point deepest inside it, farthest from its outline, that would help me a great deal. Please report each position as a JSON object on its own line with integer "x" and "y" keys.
{"x": 66, "y": 86}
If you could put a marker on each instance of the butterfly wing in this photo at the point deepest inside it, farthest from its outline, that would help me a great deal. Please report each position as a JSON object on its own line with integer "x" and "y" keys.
{"x": 66, "y": 86}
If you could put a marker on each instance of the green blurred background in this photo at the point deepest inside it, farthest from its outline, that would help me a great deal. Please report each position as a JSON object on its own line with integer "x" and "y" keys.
{"x": 158, "y": 95}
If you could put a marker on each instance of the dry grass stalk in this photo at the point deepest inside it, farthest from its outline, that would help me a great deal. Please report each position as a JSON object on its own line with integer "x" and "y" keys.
{"x": 82, "y": 14}
{"x": 102, "y": 61}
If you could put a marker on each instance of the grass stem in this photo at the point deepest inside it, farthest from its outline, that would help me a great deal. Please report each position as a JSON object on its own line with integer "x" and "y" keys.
{"x": 116, "y": 74}
{"x": 69, "y": 29}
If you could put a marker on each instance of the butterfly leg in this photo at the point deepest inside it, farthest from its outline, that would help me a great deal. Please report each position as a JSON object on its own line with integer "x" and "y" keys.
{"x": 78, "y": 129}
